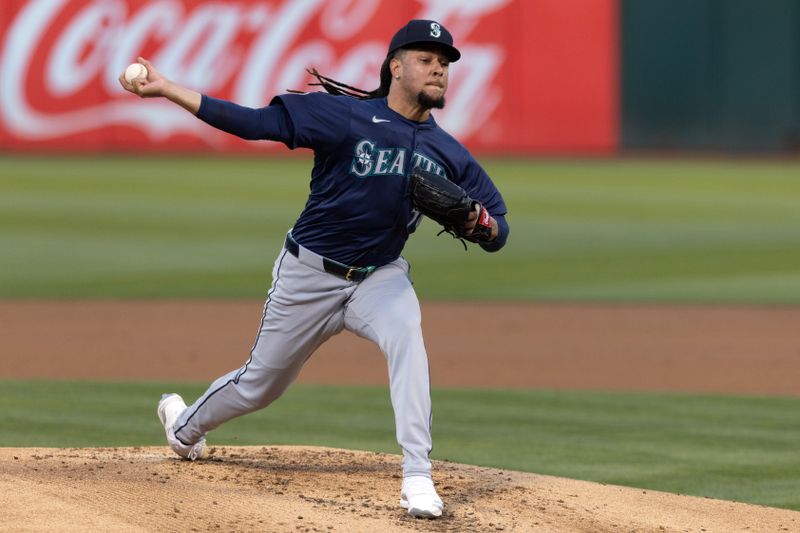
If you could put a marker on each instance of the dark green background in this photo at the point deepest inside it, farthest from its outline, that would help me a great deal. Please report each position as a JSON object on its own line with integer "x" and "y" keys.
{"x": 711, "y": 74}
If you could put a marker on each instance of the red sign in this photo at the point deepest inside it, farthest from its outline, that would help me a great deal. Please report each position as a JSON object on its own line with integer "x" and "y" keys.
{"x": 535, "y": 76}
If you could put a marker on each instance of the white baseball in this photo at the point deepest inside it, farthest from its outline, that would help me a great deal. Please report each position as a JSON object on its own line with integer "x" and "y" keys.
{"x": 135, "y": 70}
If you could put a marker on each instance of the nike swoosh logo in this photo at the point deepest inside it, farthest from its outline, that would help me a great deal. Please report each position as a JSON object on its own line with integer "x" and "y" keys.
{"x": 377, "y": 120}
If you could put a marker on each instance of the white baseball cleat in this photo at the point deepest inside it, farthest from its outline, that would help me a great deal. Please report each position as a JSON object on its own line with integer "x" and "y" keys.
{"x": 420, "y": 498}
{"x": 169, "y": 409}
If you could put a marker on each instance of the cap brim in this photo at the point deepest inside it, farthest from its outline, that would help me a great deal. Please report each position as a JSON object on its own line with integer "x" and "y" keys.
{"x": 451, "y": 52}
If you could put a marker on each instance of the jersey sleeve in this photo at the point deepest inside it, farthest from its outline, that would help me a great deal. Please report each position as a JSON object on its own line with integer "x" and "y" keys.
{"x": 320, "y": 120}
{"x": 271, "y": 122}
{"x": 502, "y": 235}
{"x": 480, "y": 187}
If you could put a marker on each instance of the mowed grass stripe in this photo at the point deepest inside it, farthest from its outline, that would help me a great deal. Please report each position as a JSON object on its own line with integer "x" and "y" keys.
{"x": 594, "y": 230}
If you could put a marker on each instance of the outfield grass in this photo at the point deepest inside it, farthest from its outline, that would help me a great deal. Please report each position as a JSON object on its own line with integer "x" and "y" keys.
{"x": 737, "y": 448}
{"x": 597, "y": 230}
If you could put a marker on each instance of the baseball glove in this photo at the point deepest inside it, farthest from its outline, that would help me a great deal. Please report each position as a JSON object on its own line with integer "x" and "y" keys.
{"x": 448, "y": 204}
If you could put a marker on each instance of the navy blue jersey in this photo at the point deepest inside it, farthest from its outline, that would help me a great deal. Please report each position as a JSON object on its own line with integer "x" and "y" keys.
{"x": 359, "y": 211}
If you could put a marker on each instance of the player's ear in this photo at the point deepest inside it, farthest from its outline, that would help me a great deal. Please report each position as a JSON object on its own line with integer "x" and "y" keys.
{"x": 396, "y": 65}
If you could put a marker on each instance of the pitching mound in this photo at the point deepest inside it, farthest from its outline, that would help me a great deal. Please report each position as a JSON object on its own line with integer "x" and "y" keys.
{"x": 321, "y": 489}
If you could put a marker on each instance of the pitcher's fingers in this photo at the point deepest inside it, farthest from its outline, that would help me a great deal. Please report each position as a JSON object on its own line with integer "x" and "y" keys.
{"x": 125, "y": 85}
{"x": 148, "y": 65}
{"x": 138, "y": 85}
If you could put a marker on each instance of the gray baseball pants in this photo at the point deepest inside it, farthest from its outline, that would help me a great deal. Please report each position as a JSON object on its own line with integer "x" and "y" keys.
{"x": 305, "y": 307}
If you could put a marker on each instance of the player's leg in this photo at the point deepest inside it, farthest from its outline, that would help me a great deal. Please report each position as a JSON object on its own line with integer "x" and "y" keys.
{"x": 304, "y": 308}
{"x": 385, "y": 310}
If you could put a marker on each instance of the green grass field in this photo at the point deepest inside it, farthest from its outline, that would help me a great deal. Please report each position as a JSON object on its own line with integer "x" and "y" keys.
{"x": 595, "y": 230}
{"x": 743, "y": 449}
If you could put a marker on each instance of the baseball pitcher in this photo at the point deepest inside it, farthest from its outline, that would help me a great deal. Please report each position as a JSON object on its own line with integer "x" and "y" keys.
{"x": 380, "y": 163}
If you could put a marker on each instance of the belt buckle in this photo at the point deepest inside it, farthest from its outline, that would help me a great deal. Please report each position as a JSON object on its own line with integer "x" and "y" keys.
{"x": 350, "y": 271}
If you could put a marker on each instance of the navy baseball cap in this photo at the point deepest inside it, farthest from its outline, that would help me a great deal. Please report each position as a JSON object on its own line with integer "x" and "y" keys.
{"x": 419, "y": 31}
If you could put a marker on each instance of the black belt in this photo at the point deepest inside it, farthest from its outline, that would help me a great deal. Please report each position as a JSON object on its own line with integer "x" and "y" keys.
{"x": 348, "y": 273}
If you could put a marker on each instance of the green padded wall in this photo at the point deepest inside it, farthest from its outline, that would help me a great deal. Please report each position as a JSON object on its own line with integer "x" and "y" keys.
{"x": 711, "y": 74}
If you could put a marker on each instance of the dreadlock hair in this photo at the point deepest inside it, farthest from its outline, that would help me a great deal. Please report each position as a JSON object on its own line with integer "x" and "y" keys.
{"x": 338, "y": 88}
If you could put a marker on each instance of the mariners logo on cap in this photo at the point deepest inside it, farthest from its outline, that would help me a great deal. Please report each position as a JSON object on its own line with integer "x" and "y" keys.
{"x": 420, "y": 31}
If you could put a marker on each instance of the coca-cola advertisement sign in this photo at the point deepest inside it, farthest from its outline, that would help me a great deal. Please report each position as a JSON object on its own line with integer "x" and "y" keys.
{"x": 535, "y": 76}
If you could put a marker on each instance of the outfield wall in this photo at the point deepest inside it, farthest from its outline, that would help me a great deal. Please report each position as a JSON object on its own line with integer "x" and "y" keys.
{"x": 538, "y": 76}
{"x": 711, "y": 74}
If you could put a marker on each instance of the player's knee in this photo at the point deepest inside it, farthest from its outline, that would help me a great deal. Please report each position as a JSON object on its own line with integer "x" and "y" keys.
{"x": 263, "y": 396}
{"x": 261, "y": 386}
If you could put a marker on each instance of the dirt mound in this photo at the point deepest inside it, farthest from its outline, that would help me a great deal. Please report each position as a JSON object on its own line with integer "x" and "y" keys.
{"x": 325, "y": 490}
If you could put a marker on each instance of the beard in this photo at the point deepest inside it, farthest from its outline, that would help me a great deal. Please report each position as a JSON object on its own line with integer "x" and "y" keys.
{"x": 429, "y": 102}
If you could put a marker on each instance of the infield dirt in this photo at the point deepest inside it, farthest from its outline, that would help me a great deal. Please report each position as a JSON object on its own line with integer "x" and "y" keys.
{"x": 753, "y": 350}
{"x": 326, "y": 490}
{"x": 697, "y": 349}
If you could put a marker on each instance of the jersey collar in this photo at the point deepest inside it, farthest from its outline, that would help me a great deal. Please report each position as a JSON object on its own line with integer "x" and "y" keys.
{"x": 426, "y": 124}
